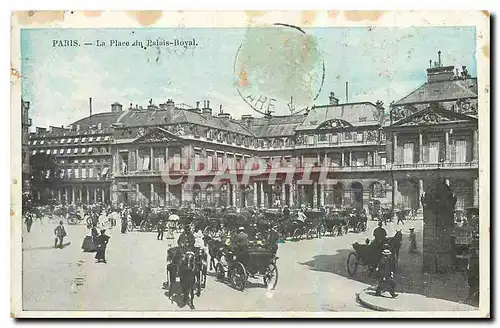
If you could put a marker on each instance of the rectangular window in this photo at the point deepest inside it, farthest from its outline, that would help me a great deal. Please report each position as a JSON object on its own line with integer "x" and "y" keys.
{"x": 84, "y": 161}
{"x": 91, "y": 139}
{"x": 75, "y": 161}
{"x": 98, "y": 139}
{"x": 461, "y": 151}
{"x": 42, "y": 142}
{"x": 90, "y": 149}
{"x": 434, "y": 152}
{"x": 334, "y": 138}
{"x": 61, "y": 151}
{"x": 75, "y": 151}
{"x": 348, "y": 135}
{"x": 408, "y": 153}
{"x": 76, "y": 140}
{"x": 91, "y": 172}
{"x": 220, "y": 161}
{"x": 359, "y": 137}
{"x": 91, "y": 160}
{"x": 323, "y": 137}
{"x": 310, "y": 140}
{"x": 63, "y": 140}
{"x": 69, "y": 140}
{"x": 77, "y": 171}
{"x": 84, "y": 139}
{"x": 145, "y": 163}
{"x": 68, "y": 151}
{"x": 383, "y": 161}
{"x": 84, "y": 173}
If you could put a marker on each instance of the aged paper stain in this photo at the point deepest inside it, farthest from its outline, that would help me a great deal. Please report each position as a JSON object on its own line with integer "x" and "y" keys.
{"x": 40, "y": 17}
{"x": 486, "y": 50}
{"x": 146, "y": 17}
{"x": 486, "y": 13}
{"x": 332, "y": 13}
{"x": 15, "y": 74}
{"x": 12, "y": 213}
{"x": 360, "y": 15}
{"x": 92, "y": 13}
{"x": 308, "y": 17}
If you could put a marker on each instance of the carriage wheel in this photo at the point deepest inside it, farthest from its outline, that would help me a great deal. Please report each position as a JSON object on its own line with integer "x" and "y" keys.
{"x": 297, "y": 233}
{"x": 271, "y": 276}
{"x": 71, "y": 220}
{"x": 143, "y": 225}
{"x": 359, "y": 227}
{"x": 322, "y": 230}
{"x": 238, "y": 276}
{"x": 352, "y": 263}
{"x": 89, "y": 220}
{"x": 219, "y": 272}
{"x": 204, "y": 276}
{"x": 198, "y": 287}
{"x": 130, "y": 226}
{"x": 207, "y": 231}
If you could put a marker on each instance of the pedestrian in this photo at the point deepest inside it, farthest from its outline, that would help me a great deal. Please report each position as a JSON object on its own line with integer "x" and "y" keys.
{"x": 385, "y": 271}
{"x": 413, "y": 241}
{"x": 160, "y": 226}
{"x": 29, "y": 221}
{"x": 101, "y": 243}
{"x": 379, "y": 234}
{"x": 60, "y": 233}
{"x": 401, "y": 216}
{"x": 124, "y": 221}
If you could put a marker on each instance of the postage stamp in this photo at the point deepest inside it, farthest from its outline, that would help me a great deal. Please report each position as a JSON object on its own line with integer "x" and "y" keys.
{"x": 250, "y": 164}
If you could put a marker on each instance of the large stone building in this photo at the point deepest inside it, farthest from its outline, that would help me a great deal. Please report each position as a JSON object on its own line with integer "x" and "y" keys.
{"x": 25, "y": 153}
{"x": 351, "y": 151}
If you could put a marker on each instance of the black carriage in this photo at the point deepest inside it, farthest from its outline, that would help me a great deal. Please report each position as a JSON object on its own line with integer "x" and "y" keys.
{"x": 364, "y": 254}
{"x": 174, "y": 257}
{"x": 357, "y": 220}
{"x": 258, "y": 262}
{"x": 336, "y": 223}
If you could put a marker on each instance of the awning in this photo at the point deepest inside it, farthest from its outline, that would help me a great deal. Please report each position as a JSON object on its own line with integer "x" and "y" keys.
{"x": 104, "y": 171}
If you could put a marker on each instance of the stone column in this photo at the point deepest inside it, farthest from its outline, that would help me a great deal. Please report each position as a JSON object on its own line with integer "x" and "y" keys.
{"x": 255, "y": 191}
{"x": 291, "y": 195}
{"x": 321, "y": 195}
{"x": 103, "y": 195}
{"x": 66, "y": 194}
{"x": 262, "y": 202}
{"x": 350, "y": 158}
{"x": 235, "y": 187}
{"x": 73, "y": 194}
{"x": 167, "y": 194}
{"x": 420, "y": 195}
{"x": 342, "y": 161}
{"x": 395, "y": 156}
{"x": 283, "y": 194}
{"x": 395, "y": 193}
{"x": 375, "y": 158}
{"x": 152, "y": 193}
{"x": 475, "y": 148}
{"x": 137, "y": 193}
{"x": 151, "y": 159}
{"x": 80, "y": 195}
{"x": 137, "y": 167}
{"x": 447, "y": 146}
{"x": 166, "y": 159}
{"x": 228, "y": 195}
{"x": 315, "y": 195}
{"x": 95, "y": 195}
{"x": 420, "y": 149}
{"x": 60, "y": 196}
{"x": 183, "y": 193}
{"x": 475, "y": 192}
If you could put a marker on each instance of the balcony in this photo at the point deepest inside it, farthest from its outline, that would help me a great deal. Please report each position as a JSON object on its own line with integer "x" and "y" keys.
{"x": 435, "y": 166}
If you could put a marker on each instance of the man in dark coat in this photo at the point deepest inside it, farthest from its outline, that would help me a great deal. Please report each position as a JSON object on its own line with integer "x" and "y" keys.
{"x": 379, "y": 234}
{"x": 186, "y": 239}
{"x": 29, "y": 221}
{"x": 385, "y": 271}
{"x": 124, "y": 218}
{"x": 60, "y": 233}
{"x": 101, "y": 244}
{"x": 160, "y": 226}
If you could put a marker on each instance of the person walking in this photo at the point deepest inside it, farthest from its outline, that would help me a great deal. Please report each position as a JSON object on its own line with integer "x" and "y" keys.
{"x": 60, "y": 233}
{"x": 124, "y": 221}
{"x": 413, "y": 241}
{"x": 401, "y": 216}
{"x": 101, "y": 243}
{"x": 29, "y": 221}
{"x": 160, "y": 226}
{"x": 385, "y": 271}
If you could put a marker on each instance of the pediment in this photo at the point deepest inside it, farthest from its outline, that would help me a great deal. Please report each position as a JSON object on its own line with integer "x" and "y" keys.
{"x": 434, "y": 115}
{"x": 334, "y": 124}
{"x": 156, "y": 135}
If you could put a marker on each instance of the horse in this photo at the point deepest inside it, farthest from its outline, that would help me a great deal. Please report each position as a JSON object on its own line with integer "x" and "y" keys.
{"x": 395, "y": 243}
{"x": 187, "y": 275}
{"x": 215, "y": 250}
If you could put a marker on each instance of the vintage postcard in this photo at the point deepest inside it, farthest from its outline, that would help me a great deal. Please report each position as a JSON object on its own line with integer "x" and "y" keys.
{"x": 250, "y": 164}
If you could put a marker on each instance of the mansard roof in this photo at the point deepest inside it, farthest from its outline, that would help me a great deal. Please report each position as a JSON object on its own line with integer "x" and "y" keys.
{"x": 441, "y": 91}
{"x": 356, "y": 114}
{"x": 274, "y": 126}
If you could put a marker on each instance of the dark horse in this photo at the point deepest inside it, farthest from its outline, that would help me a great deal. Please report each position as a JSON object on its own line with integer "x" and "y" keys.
{"x": 394, "y": 243}
{"x": 187, "y": 275}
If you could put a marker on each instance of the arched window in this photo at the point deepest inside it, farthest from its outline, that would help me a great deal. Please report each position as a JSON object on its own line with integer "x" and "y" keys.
{"x": 377, "y": 190}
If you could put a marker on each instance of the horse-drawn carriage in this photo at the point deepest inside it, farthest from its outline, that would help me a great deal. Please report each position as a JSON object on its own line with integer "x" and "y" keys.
{"x": 190, "y": 265}
{"x": 369, "y": 254}
{"x": 356, "y": 220}
{"x": 336, "y": 223}
{"x": 256, "y": 262}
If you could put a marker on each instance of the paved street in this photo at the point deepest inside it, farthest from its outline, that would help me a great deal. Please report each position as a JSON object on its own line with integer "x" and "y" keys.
{"x": 312, "y": 275}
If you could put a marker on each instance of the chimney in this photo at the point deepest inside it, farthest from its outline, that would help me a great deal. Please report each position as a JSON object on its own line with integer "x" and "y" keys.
{"x": 50, "y": 129}
{"x": 207, "y": 111}
{"x": 197, "y": 105}
{"x": 99, "y": 126}
{"x": 222, "y": 115}
{"x": 116, "y": 107}
{"x": 40, "y": 130}
{"x": 169, "y": 110}
{"x": 333, "y": 101}
{"x": 90, "y": 105}
{"x": 439, "y": 73}
{"x": 78, "y": 127}
{"x": 247, "y": 119}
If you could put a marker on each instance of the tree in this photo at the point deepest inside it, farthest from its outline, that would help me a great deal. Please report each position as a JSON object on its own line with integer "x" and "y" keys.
{"x": 45, "y": 174}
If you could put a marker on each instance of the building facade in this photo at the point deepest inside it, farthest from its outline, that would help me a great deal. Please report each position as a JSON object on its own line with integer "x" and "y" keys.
{"x": 25, "y": 151}
{"x": 352, "y": 152}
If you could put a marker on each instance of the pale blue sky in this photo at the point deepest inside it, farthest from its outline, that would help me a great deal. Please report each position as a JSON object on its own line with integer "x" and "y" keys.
{"x": 379, "y": 63}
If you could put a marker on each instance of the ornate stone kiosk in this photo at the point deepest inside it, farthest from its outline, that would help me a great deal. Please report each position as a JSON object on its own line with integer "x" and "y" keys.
{"x": 439, "y": 205}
